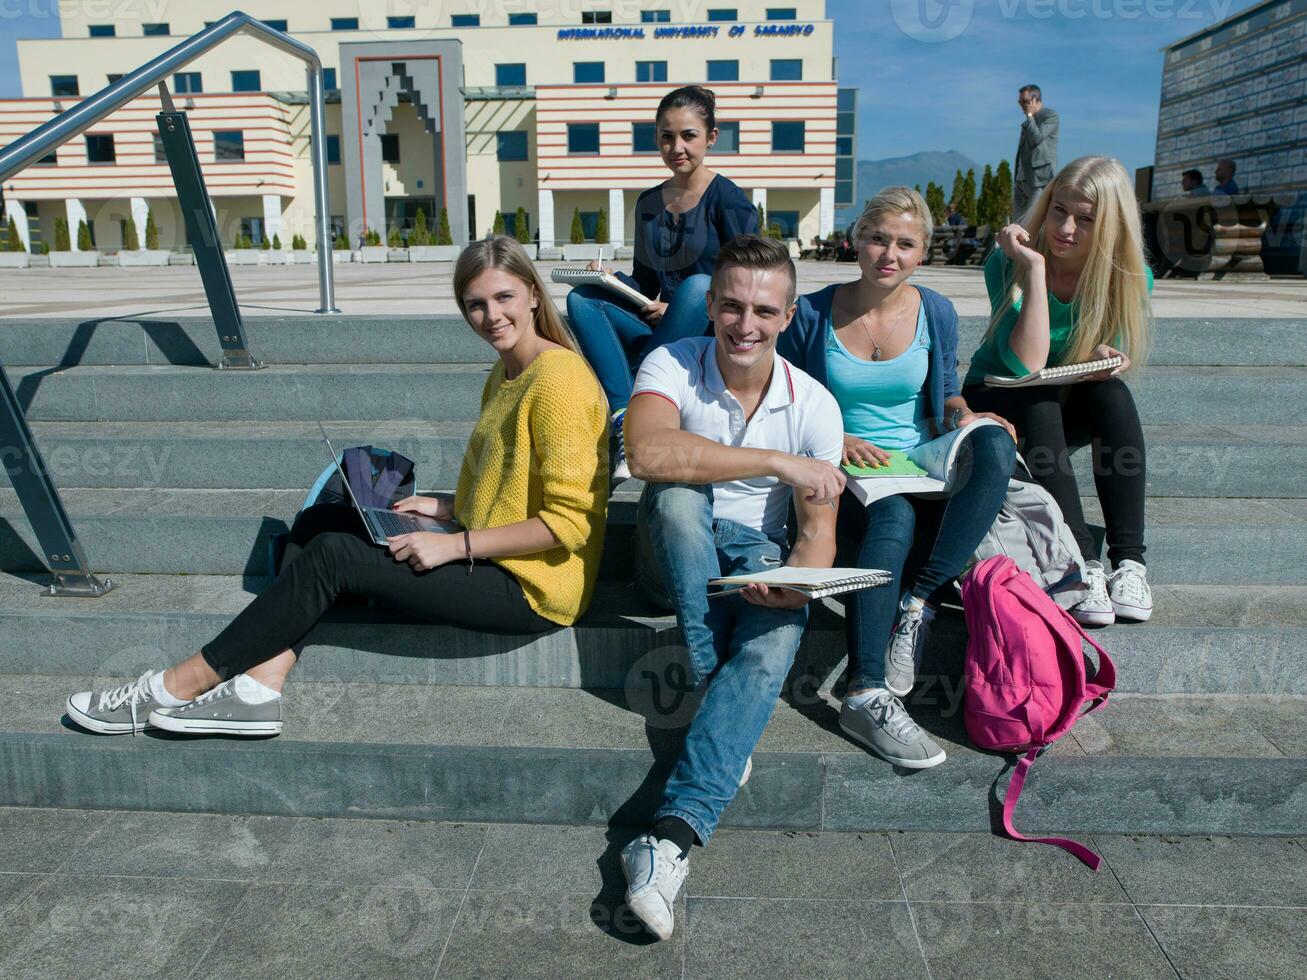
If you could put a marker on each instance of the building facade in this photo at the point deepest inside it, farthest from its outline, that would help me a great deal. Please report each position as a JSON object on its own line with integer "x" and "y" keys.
{"x": 537, "y": 108}
{"x": 1238, "y": 90}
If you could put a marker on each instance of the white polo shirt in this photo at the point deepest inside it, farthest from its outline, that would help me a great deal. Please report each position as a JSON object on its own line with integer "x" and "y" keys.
{"x": 797, "y": 416}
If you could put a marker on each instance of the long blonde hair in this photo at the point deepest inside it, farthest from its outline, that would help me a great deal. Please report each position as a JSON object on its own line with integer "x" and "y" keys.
{"x": 1111, "y": 298}
{"x": 503, "y": 252}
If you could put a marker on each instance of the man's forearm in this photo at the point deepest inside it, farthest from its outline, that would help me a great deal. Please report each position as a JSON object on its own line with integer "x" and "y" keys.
{"x": 676, "y": 456}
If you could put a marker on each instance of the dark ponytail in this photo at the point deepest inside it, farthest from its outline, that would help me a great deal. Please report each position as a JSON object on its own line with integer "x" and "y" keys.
{"x": 695, "y": 97}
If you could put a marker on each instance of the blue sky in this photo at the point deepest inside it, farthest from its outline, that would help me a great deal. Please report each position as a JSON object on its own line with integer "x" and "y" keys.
{"x": 943, "y": 74}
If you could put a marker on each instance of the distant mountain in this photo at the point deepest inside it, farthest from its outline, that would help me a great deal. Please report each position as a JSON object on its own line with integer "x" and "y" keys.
{"x": 920, "y": 168}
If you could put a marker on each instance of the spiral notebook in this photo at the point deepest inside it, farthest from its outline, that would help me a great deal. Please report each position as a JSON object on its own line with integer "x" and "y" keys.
{"x": 590, "y": 277}
{"x": 1063, "y": 374}
{"x": 812, "y": 582}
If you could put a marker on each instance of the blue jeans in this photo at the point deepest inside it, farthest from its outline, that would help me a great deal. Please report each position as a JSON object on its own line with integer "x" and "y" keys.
{"x": 740, "y": 653}
{"x": 615, "y": 340}
{"x": 950, "y": 529}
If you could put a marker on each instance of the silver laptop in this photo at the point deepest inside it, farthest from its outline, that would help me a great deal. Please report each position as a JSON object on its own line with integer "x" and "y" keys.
{"x": 381, "y": 523}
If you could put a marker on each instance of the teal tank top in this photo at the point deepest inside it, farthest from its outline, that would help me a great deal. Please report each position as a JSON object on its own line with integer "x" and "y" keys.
{"x": 883, "y": 402}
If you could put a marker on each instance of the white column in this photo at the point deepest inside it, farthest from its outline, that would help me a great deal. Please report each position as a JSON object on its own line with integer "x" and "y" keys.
{"x": 545, "y": 220}
{"x": 272, "y": 217}
{"x": 826, "y": 221}
{"x": 616, "y": 215}
{"x": 140, "y": 215}
{"x": 18, "y": 212}
{"x": 760, "y": 196}
{"x": 76, "y": 215}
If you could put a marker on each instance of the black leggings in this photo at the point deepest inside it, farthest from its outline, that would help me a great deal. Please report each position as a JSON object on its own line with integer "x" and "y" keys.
{"x": 1052, "y": 422}
{"x": 330, "y": 555}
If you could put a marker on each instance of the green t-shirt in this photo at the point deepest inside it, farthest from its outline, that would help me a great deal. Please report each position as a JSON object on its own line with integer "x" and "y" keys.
{"x": 994, "y": 356}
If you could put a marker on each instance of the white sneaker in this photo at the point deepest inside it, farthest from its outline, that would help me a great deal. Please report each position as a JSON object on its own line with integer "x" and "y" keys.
{"x": 748, "y": 771}
{"x": 1131, "y": 597}
{"x": 620, "y": 470}
{"x": 654, "y": 872}
{"x": 1096, "y": 608}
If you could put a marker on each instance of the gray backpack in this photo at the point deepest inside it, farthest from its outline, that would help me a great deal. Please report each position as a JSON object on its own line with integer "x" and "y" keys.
{"x": 1030, "y": 530}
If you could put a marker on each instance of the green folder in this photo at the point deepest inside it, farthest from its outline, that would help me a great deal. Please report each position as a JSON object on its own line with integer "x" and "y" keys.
{"x": 899, "y": 465}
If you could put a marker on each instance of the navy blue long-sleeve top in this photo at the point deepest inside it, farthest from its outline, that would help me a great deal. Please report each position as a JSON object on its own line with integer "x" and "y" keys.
{"x": 670, "y": 248}
{"x": 804, "y": 344}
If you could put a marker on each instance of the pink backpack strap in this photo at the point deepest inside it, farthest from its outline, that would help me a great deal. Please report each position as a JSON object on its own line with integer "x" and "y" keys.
{"x": 1104, "y": 682}
{"x": 1014, "y": 787}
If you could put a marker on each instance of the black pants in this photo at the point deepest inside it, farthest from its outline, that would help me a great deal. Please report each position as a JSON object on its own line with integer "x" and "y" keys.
{"x": 330, "y": 555}
{"x": 1052, "y": 422}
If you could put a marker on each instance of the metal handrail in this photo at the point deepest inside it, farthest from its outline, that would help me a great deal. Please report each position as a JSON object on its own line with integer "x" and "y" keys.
{"x": 63, "y": 127}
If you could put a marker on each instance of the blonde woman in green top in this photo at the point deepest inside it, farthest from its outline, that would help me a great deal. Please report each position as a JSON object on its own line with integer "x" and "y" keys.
{"x": 1070, "y": 284}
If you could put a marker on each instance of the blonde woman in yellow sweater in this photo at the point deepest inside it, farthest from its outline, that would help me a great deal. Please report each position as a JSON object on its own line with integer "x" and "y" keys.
{"x": 531, "y": 495}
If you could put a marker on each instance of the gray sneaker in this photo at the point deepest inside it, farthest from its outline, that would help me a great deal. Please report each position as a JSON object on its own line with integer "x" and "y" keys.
{"x": 222, "y": 711}
{"x": 883, "y": 725}
{"x": 906, "y": 645}
{"x": 115, "y": 712}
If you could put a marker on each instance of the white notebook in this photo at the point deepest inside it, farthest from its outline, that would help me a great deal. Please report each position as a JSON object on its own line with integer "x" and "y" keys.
{"x": 1063, "y": 374}
{"x": 589, "y": 277}
{"x": 812, "y": 582}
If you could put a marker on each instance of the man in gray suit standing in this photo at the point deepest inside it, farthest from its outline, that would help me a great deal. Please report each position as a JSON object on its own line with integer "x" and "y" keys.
{"x": 1037, "y": 150}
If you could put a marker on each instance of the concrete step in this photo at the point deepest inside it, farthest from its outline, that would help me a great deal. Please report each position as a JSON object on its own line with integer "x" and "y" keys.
{"x": 229, "y": 532}
{"x": 1201, "y": 640}
{"x": 1142, "y": 765}
{"x": 448, "y": 339}
{"x": 1183, "y": 461}
{"x": 1220, "y": 397}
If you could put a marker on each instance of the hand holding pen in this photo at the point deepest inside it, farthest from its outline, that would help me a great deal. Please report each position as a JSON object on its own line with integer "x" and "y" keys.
{"x": 820, "y": 482}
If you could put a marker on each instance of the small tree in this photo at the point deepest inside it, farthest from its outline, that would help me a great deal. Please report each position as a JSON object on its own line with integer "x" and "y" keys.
{"x": 341, "y": 244}
{"x": 395, "y": 239}
{"x": 62, "y": 243}
{"x": 1002, "y": 206}
{"x": 935, "y": 201}
{"x": 443, "y": 234}
{"x": 601, "y": 227}
{"x": 968, "y": 206}
{"x": 131, "y": 240}
{"x": 520, "y": 230}
{"x": 298, "y": 243}
{"x": 497, "y": 226}
{"x": 419, "y": 235}
{"x": 151, "y": 230}
{"x": 985, "y": 203}
{"x": 578, "y": 229}
{"x": 762, "y": 219}
{"x": 11, "y": 237}
{"x": 84, "y": 242}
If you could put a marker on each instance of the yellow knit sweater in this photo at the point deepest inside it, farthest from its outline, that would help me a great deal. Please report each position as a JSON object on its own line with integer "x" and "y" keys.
{"x": 540, "y": 449}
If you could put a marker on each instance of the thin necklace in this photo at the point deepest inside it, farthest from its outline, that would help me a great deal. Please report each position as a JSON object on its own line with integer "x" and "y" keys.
{"x": 876, "y": 351}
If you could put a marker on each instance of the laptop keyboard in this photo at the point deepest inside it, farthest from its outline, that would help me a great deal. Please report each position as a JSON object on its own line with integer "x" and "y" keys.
{"x": 393, "y": 523}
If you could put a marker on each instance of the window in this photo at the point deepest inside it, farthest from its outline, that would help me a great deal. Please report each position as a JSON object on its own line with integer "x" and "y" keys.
{"x": 787, "y": 221}
{"x": 722, "y": 13}
{"x": 399, "y": 23}
{"x": 160, "y": 154}
{"x": 644, "y": 138}
{"x": 103, "y": 30}
{"x": 728, "y": 138}
{"x": 252, "y": 228}
{"x": 99, "y": 149}
{"x": 390, "y": 147}
{"x": 229, "y": 147}
{"x": 787, "y": 137}
{"x": 782, "y": 13}
{"x": 844, "y": 169}
{"x": 655, "y": 16}
{"x": 333, "y": 149}
{"x": 51, "y": 159}
{"x": 583, "y": 139}
{"x": 464, "y": 20}
{"x": 63, "y": 85}
{"x": 512, "y": 146}
{"x": 329, "y": 79}
{"x": 522, "y": 20}
{"x": 844, "y": 146}
{"x": 590, "y": 224}
{"x": 651, "y": 71}
{"x": 787, "y": 69}
{"x": 187, "y": 82}
{"x": 587, "y": 72}
{"x": 246, "y": 81}
{"x": 723, "y": 71}
{"x": 846, "y": 100}
{"x": 514, "y": 74}
{"x": 155, "y": 30}
{"x": 596, "y": 16}
{"x": 277, "y": 25}
{"x": 344, "y": 23}
{"x": 113, "y": 77}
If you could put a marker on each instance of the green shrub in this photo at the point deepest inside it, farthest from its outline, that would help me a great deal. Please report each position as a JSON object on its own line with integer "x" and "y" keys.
{"x": 420, "y": 235}
{"x": 131, "y": 241}
{"x": 298, "y": 243}
{"x": 443, "y": 235}
{"x": 497, "y": 226}
{"x": 276, "y": 242}
{"x": 578, "y": 229}
{"x": 151, "y": 231}
{"x": 601, "y": 227}
{"x": 395, "y": 239}
{"x": 521, "y": 231}
{"x": 62, "y": 243}
{"x": 84, "y": 237}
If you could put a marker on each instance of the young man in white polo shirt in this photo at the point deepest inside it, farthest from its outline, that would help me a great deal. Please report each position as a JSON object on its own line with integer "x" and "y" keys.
{"x": 725, "y": 432}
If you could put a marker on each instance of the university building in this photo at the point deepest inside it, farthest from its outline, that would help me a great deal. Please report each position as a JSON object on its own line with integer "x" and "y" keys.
{"x": 470, "y": 105}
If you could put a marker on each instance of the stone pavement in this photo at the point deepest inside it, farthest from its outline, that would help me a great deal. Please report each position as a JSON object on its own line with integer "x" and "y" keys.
{"x": 120, "y": 894}
{"x": 426, "y": 289}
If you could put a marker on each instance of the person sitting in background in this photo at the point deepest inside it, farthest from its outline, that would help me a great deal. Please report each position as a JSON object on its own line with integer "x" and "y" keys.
{"x": 1225, "y": 178}
{"x": 679, "y": 227}
{"x": 1073, "y": 286}
{"x": 532, "y": 494}
{"x": 1191, "y": 182}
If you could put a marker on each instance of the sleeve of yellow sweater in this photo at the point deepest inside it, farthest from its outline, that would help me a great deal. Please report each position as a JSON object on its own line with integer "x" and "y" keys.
{"x": 569, "y": 437}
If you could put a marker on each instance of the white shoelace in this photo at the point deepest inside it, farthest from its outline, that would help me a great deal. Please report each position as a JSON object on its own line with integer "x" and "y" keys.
{"x": 1131, "y": 586}
{"x": 888, "y": 712}
{"x": 129, "y": 694}
{"x": 1096, "y": 580}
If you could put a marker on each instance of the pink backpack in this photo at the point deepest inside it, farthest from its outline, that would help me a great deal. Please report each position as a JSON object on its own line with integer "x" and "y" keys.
{"x": 1025, "y": 675}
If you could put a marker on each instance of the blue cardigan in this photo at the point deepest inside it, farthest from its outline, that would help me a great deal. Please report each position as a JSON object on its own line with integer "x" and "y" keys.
{"x": 804, "y": 344}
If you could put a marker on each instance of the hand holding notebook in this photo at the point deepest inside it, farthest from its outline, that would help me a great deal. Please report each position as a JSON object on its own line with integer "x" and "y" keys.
{"x": 811, "y": 582}
{"x": 1063, "y": 374}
